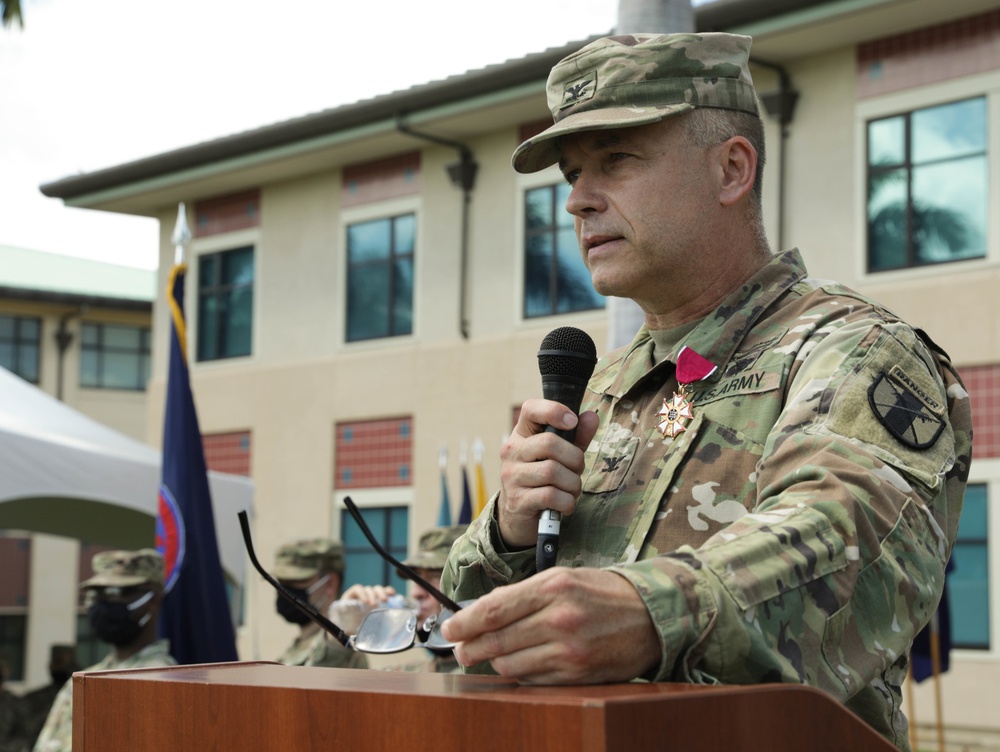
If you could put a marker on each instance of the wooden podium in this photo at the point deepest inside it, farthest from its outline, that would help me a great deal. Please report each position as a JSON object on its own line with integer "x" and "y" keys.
{"x": 268, "y": 707}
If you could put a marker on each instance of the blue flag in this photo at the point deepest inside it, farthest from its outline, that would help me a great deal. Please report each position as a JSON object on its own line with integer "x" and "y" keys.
{"x": 465, "y": 513}
{"x": 195, "y": 615}
{"x": 444, "y": 513}
{"x": 939, "y": 630}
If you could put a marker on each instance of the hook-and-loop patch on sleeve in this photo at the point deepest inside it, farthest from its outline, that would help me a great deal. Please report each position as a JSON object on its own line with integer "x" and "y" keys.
{"x": 895, "y": 406}
{"x": 905, "y": 409}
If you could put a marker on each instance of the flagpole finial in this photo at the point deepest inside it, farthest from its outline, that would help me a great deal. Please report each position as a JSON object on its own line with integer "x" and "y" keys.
{"x": 182, "y": 235}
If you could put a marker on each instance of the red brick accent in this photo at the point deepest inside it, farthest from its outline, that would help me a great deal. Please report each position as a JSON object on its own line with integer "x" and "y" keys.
{"x": 237, "y": 211}
{"x": 374, "y": 453}
{"x": 15, "y": 563}
{"x": 983, "y": 383}
{"x": 380, "y": 180}
{"x": 228, "y": 452}
{"x": 937, "y": 53}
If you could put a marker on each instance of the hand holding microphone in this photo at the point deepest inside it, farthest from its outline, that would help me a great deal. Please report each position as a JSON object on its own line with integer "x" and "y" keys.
{"x": 566, "y": 362}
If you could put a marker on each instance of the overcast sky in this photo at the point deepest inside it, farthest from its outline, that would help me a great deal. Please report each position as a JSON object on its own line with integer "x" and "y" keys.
{"x": 96, "y": 83}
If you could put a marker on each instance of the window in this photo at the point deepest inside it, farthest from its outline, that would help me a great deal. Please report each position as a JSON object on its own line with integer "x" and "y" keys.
{"x": 19, "y": 345}
{"x": 555, "y": 278}
{"x": 363, "y": 564}
{"x": 969, "y": 578}
{"x": 927, "y": 186}
{"x": 380, "y": 278}
{"x": 225, "y": 304}
{"x": 114, "y": 356}
{"x": 13, "y": 637}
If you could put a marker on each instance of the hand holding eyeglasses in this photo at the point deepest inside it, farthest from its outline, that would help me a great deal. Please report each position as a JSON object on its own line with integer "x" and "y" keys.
{"x": 383, "y": 630}
{"x": 560, "y": 626}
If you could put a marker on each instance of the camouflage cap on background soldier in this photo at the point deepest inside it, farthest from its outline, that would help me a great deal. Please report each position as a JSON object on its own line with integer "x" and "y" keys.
{"x": 126, "y": 569}
{"x": 307, "y": 558}
{"x": 432, "y": 551}
{"x": 636, "y": 79}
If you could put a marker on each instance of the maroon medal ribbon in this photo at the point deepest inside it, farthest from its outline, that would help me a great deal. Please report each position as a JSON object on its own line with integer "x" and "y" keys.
{"x": 675, "y": 414}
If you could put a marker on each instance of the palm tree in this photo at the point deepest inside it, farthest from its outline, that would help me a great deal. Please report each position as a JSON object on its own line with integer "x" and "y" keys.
{"x": 11, "y": 11}
{"x": 905, "y": 232}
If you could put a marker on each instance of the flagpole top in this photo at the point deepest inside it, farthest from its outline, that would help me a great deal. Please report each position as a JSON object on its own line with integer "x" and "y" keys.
{"x": 182, "y": 235}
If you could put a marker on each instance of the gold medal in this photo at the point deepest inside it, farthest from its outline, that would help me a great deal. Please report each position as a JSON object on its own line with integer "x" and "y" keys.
{"x": 675, "y": 414}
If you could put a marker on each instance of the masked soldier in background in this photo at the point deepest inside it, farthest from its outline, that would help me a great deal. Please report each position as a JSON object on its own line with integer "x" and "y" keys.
{"x": 124, "y": 598}
{"x": 313, "y": 569}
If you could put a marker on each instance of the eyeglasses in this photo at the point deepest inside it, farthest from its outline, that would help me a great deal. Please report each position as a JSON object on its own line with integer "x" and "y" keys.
{"x": 382, "y": 630}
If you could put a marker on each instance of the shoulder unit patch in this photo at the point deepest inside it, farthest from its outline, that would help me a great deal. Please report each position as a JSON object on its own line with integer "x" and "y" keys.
{"x": 907, "y": 411}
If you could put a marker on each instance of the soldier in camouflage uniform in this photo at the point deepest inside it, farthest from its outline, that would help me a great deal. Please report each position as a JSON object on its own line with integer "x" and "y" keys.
{"x": 428, "y": 562}
{"x": 766, "y": 484}
{"x": 312, "y": 569}
{"x": 38, "y": 702}
{"x": 13, "y": 728}
{"x": 124, "y": 594}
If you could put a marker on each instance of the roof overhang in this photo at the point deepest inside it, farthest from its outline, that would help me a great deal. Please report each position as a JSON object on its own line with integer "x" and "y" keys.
{"x": 463, "y": 106}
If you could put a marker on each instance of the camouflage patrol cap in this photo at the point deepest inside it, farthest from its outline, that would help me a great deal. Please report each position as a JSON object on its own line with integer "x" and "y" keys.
{"x": 636, "y": 79}
{"x": 126, "y": 569}
{"x": 432, "y": 552}
{"x": 307, "y": 558}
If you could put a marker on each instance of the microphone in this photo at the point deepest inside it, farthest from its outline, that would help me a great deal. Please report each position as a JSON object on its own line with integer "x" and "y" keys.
{"x": 566, "y": 362}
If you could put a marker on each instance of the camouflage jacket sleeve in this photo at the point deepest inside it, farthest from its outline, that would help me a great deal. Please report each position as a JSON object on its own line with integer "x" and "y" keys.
{"x": 320, "y": 650}
{"x": 797, "y": 528}
{"x": 840, "y": 561}
{"x": 478, "y": 562}
{"x": 57, "y": 733}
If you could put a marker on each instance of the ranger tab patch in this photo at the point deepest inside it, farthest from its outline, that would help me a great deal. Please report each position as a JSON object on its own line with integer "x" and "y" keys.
{"x": 911, "y": 415}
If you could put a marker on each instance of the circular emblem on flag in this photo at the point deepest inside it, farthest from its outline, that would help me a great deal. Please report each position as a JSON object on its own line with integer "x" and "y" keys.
{"x": 170, "y": 538}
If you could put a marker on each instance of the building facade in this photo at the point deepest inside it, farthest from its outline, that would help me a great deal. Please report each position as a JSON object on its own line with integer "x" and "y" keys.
{"x": 371, "y": 283}
{"x": 80, "y": 331}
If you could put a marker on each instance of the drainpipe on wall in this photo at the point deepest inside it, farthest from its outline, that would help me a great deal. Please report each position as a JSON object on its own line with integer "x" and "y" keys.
{"x": 780, "y": 105}
{"x": 64, "y": 338}
{"x": 463, "y": 175}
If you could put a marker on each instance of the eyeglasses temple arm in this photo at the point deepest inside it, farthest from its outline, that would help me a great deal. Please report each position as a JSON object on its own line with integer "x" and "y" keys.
{"x": 407, "y": 572}
{"x": 304, "y": 606}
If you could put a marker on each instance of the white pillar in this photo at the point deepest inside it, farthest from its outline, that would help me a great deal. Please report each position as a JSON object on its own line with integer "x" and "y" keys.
{"x": 53, "y": 592}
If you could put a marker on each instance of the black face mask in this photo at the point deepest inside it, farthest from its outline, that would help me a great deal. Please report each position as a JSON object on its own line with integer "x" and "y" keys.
{"x": 60, "y": 677}
{"x": 289, "y": 610}
{"x": 114, "y": 623}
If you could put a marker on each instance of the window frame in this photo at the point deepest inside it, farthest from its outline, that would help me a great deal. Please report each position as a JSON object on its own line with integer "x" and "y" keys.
{"x": 987, "y": 472}
{"x": 396, "y": 497}
{"x": 986, "y": 85}
{"x": 207, "y": 246}
{"x": 368, "y": 212}
{"x": 145, "y": 351}
{"x": 18, "y": 342}
{"x": 550, "y": 176}
{"x": 909, "y": 169}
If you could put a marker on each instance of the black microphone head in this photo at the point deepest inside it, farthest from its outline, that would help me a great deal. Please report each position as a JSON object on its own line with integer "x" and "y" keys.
{"x": 567, "y": 351}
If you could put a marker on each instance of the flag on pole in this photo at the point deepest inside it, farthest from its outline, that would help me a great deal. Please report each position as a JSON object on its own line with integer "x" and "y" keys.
{"x": 932, "y": 646}
{"x": 195, "y": 614}
{"x": 465, "y": 513}
{"x": 480, "y": 494}
{"x": 444, "y": 513}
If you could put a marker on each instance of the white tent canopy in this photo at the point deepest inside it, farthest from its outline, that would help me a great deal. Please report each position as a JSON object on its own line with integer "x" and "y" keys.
{"x": 63, "y": 473}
